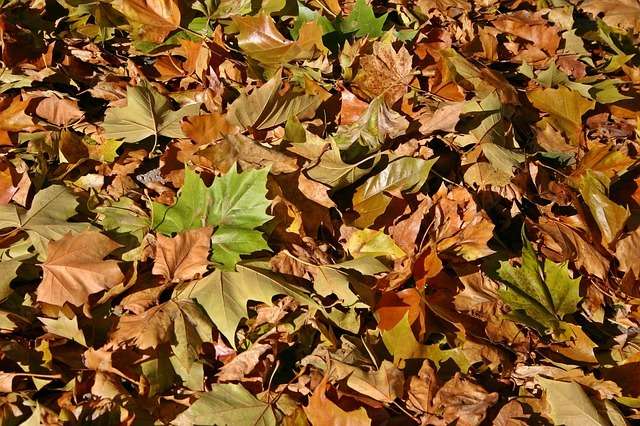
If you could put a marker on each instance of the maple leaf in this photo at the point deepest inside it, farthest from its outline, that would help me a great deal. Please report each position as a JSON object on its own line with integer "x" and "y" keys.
{"x": 363, "y": 21}
{"x": 74, "y": 269}
{"x": 540, "y": 296}
{"x": 148, "y": 113}
{"x": 235, "y": 204}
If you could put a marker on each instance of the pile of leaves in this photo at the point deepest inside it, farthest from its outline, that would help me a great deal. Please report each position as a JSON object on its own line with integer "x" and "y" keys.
{"x": 324, "y": 212}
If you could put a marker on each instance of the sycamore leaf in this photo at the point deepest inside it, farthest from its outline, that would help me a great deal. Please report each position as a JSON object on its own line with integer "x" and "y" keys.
{"x": 64, "y": 327}
{"x": 362, "y": 21}
{"x": 405, "y": 174}
{"x": 184, "y": 256}
{"x": 224, "y": 296}
{"x": 617, "y": 13}
{"x": 148, "y": 113}
{"x": 540, "y": 296}
{"x": 229, "y": 242}
{"x": 267, "y": 106}
{"x": 333, "y": 171}
{"x": 402, "y": 344}
{"x": 260, "y": 39}
{"x": 374, "y": 126}
{"x": 384, "y": 384}
{"x": 384, "y": 73}
{"x": 609, "y": 216}
{"x": 74, "y": 269}
{"x": 227, "y": 404}
{"x": 155, "y": 326}
{"x": 46, "y": 219}
{"x": 569, "y": 404}
{"x": 321, "y": 411}
{"x": 239, "y": 199}
{"x": 565, "y": 108}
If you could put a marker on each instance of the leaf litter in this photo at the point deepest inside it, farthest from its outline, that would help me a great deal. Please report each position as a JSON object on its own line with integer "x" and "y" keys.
{"x": 319, "y": 212}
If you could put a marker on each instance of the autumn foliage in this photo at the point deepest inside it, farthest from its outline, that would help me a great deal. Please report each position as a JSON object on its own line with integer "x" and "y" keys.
{"x": 320, "y": 212}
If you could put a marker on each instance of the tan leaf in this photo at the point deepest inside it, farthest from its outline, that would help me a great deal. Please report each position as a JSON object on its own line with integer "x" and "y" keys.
{"x": 74, "y": 269}
{"x": 13, "y": 117}
{"x": 183, "y": 256}
{"x": 462, "y": 400}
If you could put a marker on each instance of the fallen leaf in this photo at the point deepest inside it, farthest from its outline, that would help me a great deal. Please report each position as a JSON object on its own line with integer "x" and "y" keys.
{"x": 74, "y": 269}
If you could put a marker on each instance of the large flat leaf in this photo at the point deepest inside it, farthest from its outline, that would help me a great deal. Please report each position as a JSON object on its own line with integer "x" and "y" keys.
{"x": 224, "y": 296}
{"x": 227, "y": 404}
{"x": 148, "y": 113}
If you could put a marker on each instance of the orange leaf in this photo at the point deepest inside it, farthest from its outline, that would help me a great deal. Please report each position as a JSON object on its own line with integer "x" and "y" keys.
{"x": 74, "y": 269}
{"x": 183, "y": 256}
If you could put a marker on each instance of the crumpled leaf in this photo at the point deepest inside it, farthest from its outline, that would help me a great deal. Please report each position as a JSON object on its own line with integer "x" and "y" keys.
{"x": 374, "y": 126}
{"x": 260, "y": 39}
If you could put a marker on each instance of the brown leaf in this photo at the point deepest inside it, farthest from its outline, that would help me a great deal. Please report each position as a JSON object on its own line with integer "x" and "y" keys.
{"x": 207, "y": 128}
{"x": 59, "y": 111}
{"x": 74, "y": 269}
{"x": 240, "y": 366}
{"x": 184, "y": 256}
{"x": 532, "y": 27}
{"x": 384, "y": 72}
{"x": 464, "y": 401}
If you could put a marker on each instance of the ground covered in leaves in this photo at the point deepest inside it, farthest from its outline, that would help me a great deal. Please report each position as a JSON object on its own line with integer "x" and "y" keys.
{"x": 324, "y": 212}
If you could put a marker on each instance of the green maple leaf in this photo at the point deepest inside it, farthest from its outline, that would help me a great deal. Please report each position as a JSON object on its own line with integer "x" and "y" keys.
{"x": 363, "y": 21}
{"x": 235, "y": 204}
{"x": 148, "y": 113}
{"x": 540, "y": 296}
{"x": 189, "y": 211}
